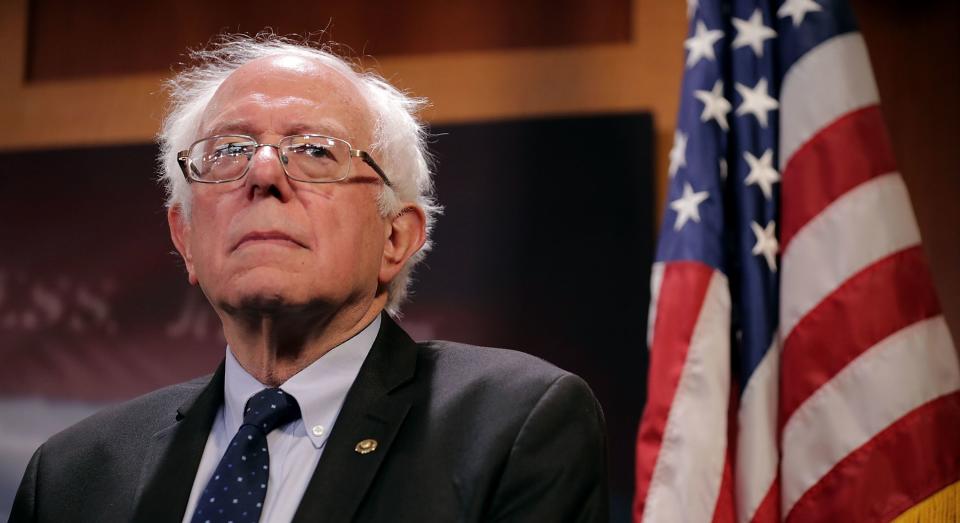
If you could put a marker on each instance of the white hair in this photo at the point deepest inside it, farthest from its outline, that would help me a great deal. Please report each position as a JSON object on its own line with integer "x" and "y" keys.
{"x": 399, "y": 137}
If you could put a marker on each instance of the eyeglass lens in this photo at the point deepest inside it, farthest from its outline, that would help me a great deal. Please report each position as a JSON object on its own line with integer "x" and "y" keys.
{"x": 307, "y": 158}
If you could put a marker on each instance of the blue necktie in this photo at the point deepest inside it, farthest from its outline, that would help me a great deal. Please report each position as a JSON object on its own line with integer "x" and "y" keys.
{"x": 237, "y": 488}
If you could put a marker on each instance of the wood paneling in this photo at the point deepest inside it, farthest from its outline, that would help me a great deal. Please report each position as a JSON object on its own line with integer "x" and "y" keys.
{"x": 914, "y": 48}
{"x": 70, "y": 39}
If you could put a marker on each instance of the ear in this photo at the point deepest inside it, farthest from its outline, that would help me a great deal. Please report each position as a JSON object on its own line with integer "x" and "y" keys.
{"x": 406, "y": 233}
{"x": 180, "y": 234}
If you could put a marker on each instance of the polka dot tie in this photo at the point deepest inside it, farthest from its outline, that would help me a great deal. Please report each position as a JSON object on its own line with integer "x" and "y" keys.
{"x": 237, "y": 488}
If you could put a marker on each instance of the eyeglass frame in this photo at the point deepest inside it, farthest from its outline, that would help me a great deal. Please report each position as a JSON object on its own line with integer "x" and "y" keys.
{"x": 183, "y": 159}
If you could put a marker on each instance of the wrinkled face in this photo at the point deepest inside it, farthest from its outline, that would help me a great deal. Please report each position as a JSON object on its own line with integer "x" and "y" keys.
{"x": 266, "y": 241}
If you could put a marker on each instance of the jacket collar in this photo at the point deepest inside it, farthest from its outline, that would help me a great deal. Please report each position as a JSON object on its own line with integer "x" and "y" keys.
{"x": 173, "y": 455}
{"x": 374, "y": 409}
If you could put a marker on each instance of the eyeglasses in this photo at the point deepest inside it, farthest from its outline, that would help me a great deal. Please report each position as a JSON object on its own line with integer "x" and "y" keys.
{"x": 311, "y": 158}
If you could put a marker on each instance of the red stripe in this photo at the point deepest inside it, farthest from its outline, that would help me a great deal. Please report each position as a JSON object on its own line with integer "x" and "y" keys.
{"x": 682, "y": 292}
{"x": 725, "y": 510}
{"x": 846, "y": 153}
{"x": 769, "y": 509}
{"x": 904, "y": 464}
{"x": 882, "y": 299}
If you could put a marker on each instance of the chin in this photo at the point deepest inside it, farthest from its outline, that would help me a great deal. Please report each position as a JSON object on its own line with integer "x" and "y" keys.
{"x": 263, "y": 297}
{"x": 267, "y": 304}
{"x": 266, "y": 291}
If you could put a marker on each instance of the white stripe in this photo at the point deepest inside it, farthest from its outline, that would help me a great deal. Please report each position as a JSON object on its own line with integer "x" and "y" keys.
{"x": 686, "y": 479}
{"x": 656, "y": 281}
{"x": 757, "y": 455}
{"x": 828, "y": 82}
{"x": 907, "y": 369}
{"x": 868, "y": 223}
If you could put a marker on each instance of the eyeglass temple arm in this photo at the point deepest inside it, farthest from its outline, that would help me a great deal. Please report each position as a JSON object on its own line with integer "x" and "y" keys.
{"x": 184, "y": 161}
{"x": 367, "y": 159}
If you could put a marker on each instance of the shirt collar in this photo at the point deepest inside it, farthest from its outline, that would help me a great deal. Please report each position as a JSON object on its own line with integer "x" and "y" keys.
{"x": 319, "y": 389}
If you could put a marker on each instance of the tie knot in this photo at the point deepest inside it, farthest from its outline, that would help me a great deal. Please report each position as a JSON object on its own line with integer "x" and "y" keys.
{"x": 269, "y": 409}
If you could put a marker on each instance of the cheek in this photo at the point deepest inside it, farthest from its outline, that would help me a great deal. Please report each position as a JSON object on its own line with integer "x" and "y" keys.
{"x": 209, "y": 230}
{"x": 350, "y": 237}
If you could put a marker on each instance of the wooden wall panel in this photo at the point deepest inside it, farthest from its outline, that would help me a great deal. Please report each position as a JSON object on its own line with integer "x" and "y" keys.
{"x": 640, "y": 74}
{"x": 69, "y": 39}
{"x": 914, "y": 48}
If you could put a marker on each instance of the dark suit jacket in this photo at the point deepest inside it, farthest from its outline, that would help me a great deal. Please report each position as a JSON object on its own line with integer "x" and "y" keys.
{"x": 464, "y": 434}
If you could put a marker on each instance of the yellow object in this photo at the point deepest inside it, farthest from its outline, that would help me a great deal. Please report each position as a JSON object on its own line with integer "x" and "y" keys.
{"x": 366, "y": 446}
{"x": 942, "y": 507}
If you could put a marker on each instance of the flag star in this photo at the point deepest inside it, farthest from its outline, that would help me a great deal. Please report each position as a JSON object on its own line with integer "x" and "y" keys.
{"x": 678, "y": 154}
{"x": 723, "y": 169}
{"x": 692, "y": 6}
{"x": 700, "y": 45}
{"x": 756, "y": 101}
{"x": 752, "y": 32}
{"x": 687, "y": 206}
{"x": 762, "y": 172}
{"x": 715, "y": 106}
{"x": 797, "y": 10}
{"x": 767, "y": 244}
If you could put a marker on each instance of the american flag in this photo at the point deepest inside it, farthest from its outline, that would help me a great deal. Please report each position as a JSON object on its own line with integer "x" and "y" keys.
{"x": 800, "y": 366}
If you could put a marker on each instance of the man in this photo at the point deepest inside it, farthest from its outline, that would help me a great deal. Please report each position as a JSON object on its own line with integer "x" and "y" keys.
{"x": 299, "y": 199}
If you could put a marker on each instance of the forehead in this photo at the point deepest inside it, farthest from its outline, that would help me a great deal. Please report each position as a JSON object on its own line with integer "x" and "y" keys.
{"x": 288, "y": 95}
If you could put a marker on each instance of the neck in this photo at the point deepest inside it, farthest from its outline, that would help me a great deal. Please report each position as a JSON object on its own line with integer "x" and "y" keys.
{"x": 273, "y": 346}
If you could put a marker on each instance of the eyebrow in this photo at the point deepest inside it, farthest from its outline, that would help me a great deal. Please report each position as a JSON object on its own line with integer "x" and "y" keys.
{"x": 245, "y": 128}
{"x": 230, "y": 127}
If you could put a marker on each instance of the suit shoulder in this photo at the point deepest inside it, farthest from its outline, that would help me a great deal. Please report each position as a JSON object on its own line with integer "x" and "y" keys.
{"x": 505, "y": 371}
{"x": 138, "y": 417}
{"x": 489, "y": 360}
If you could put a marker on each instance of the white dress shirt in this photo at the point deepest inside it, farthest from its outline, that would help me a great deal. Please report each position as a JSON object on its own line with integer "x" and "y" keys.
{"x": 295, "y": 448}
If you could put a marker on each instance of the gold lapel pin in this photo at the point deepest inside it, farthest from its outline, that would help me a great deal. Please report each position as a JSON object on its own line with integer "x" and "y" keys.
{"x": 366, "y": 446}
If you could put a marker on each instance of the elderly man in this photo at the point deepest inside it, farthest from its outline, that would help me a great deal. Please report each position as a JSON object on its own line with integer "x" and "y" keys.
{"x": 300, "y": 198}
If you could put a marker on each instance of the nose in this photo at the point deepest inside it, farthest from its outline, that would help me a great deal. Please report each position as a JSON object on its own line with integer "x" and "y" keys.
{"x": 266, "y": 177}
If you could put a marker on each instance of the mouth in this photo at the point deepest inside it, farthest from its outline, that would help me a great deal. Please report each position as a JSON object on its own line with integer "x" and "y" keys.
{"x": 268, "y": 238}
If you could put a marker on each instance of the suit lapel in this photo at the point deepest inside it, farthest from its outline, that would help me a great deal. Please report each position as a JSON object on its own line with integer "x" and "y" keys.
{"x": 373, "y": 410}
{"x": 173, "y": 456}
